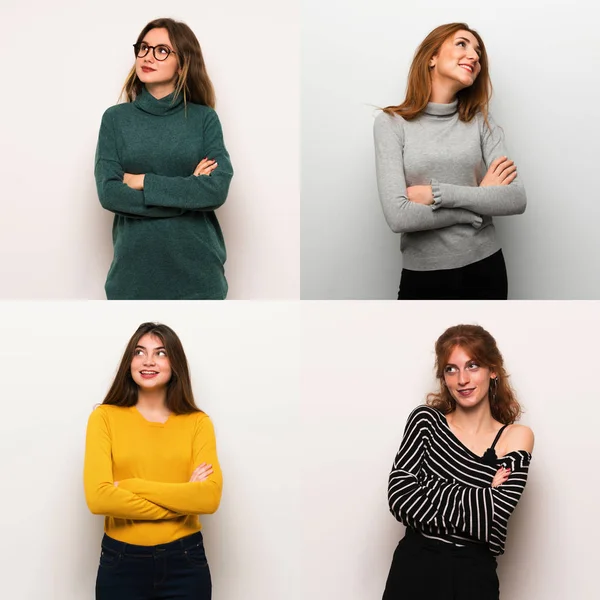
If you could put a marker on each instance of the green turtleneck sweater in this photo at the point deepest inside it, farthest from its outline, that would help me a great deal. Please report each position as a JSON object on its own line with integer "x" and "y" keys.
{"x": 167, "y": 241}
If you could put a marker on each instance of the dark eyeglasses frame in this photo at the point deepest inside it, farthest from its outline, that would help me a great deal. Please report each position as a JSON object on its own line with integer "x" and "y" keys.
{"x": 153, "y": 48}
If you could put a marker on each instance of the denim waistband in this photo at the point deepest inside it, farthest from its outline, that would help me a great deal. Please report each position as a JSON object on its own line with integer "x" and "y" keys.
{"x": 184, "y": 543}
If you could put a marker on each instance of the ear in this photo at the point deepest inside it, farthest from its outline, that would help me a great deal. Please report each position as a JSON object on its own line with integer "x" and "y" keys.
{"x": 493, "y": 375}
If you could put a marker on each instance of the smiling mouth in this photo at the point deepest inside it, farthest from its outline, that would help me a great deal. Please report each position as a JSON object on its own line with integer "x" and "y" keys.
{"x": 466, "y": 392}
{"x": 467, "y": 68}
{"x": 148, "y": 374}
{"x": 148, "y": 70}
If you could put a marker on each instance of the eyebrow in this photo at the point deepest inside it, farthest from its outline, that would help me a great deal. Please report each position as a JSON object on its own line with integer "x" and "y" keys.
{"x": 466, "y": 363}
{"x": 144, "y": 347}
{"x": 165, "y": 45}
{"x": 460, "y": 37}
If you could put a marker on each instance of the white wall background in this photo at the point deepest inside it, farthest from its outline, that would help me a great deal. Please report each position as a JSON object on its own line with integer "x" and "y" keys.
{"x": 544, "y": 65}
{"x": 65, "y": 63}
{"x": 309, "y": 403}
{"x": 367, "y": 365}
{"x": 58, "y": 360}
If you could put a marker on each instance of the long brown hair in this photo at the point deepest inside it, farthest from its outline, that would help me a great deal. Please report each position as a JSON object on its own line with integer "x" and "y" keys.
{"x": 480, "y": 346}
{"x": 180, "y": 398}
{"x": 193, "y": 80}
{"x": 471, "y": 100}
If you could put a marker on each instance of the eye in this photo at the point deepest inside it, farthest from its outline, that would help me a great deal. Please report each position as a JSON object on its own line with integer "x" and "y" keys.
{"x": 449, "y": 369}
{"x": 472, "y": 366}
{"x": 163, "y": 50}
{"x": 162, "y": 353}
{"x": 143, "y": 47}
{"x": 138, "y": 352}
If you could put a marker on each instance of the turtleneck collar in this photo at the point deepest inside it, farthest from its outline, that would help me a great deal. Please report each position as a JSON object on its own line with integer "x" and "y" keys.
{"x": 441, "y": 110}
{"x": 163, "y": 107}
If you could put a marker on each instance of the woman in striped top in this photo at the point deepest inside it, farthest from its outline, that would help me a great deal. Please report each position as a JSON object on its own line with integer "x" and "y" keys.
{"x": 458, "y": 475}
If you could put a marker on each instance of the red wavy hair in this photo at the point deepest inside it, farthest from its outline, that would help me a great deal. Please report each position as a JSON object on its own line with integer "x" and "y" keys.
{"x": 480, "y": 346}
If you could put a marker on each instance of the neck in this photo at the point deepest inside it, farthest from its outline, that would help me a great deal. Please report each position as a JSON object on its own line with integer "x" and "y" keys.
{"x": 160, "y": 90}
{"x": 472, "y": 420}
{"x": 443, "y": 91}
{"x": 152, "y": 400}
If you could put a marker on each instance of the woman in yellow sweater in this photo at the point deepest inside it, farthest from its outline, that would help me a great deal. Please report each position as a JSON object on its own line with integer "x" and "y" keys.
{"x": 151, "y": 468}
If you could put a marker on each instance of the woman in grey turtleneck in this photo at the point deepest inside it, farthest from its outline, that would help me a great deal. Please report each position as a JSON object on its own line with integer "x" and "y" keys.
{"x": 443, "y": 173}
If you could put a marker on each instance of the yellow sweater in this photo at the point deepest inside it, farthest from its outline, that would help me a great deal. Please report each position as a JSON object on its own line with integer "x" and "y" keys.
{"x": 154, "y": 502}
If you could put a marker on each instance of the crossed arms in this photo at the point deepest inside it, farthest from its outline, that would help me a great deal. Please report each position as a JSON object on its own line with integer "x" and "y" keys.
{"x": 142, "y": 499}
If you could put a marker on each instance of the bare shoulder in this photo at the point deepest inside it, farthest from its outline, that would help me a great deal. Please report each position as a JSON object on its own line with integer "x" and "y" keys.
{"x": 519, "y": 437}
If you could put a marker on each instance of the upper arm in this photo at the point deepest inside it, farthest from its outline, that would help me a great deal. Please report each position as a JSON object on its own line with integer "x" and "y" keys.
{"x": 205, "y": 448}
{"x": 520, "y": 437}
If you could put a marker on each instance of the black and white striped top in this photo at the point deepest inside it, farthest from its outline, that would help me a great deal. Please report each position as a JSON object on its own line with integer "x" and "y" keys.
{"x": 443, "y": 490}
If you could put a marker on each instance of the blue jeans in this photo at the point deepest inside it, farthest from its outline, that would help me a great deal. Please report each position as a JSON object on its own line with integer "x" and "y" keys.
{"x": 167, "y": 571}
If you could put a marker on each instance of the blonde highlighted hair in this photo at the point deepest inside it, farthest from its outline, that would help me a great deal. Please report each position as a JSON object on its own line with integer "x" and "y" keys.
{"x": 193, "y": 81}
{"x": 471, "y": 100}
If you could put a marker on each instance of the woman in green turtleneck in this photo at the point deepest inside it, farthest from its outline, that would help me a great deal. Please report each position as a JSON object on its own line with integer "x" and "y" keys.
{"x": 162, "y": 168}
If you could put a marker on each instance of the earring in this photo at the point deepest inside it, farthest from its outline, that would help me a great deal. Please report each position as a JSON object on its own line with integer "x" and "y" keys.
{"x": 494, "y": 387}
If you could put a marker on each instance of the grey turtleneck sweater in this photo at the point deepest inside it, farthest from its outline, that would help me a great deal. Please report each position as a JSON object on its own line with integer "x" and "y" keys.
{"x": 438, "y": 149}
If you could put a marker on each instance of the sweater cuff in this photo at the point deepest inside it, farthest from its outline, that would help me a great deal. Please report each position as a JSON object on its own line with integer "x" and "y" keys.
{"x": 437, "y": 195}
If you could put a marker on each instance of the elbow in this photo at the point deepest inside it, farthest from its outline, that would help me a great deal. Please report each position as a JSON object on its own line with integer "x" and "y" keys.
{"x": 95, "y": 504}
{"x": 211, "y": 502}
{"x": 397, "y": 224}
{"x": 520, "y": 200}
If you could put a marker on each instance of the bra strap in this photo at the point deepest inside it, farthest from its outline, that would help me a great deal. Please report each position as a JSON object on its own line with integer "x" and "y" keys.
{"x": 498, "y": 435}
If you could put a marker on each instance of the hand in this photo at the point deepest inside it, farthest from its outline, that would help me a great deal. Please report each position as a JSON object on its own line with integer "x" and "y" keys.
{"x": 500, "y": 477}
{"x": 201, "y": 472}
{"x": 205, "y": 167}
{"x": 501, "y": 172}
{"x": 135, "y": 182}
{"x": 420, "y": 194}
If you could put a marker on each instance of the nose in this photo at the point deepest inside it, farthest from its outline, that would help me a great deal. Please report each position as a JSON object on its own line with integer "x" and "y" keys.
{"x": 149, "y": 360}
{"x": 463, "y": 377}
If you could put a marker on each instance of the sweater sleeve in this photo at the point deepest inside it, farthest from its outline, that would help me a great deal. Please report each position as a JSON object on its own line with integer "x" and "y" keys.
{"x": 412, "y": 498}
{"x": 401, "y": 214}
{"x": 114, "y": 195}
{"x": 483, "y": 512}
{"x": 101, "y": 495}
{"x": 493, "y": 201}
{"x": 195, "y": 192}
{"x": 199, "y": 497}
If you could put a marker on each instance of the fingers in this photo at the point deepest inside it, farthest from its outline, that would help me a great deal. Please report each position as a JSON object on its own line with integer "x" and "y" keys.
{"x": 500, "y": 477}
{"x": 201, "y": 472}
{"x": 205, "y": 167}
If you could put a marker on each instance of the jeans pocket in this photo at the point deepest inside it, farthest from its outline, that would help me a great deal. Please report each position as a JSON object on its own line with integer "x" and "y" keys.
{"x": 196, "y": 555}
{"x": 109, "y": 558}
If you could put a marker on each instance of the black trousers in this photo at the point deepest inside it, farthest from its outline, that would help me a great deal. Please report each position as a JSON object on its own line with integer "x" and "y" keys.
{"x": 165, "y": 572}
{"x": 425, "y": 569}
{"x": 482, "y": 280}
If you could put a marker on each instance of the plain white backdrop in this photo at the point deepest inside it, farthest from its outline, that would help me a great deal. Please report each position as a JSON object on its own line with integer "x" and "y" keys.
{"x": 309, "y": 402}
{"x": 58, "y": 360}
{"x": 544, "y": 65}
{"x": 65, "y": 62}
{"x": 367, "y": 365}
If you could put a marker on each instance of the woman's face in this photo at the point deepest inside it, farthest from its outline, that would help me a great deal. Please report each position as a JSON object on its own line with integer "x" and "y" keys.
{"x": 457, "y": 60}
{"x": 467, "y": 381}
{"x": 150, "y": 366}
{"x": 157, "y": 72}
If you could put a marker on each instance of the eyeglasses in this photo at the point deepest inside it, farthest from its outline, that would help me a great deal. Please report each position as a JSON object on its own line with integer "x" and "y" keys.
{"x": 160, "y": 52}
